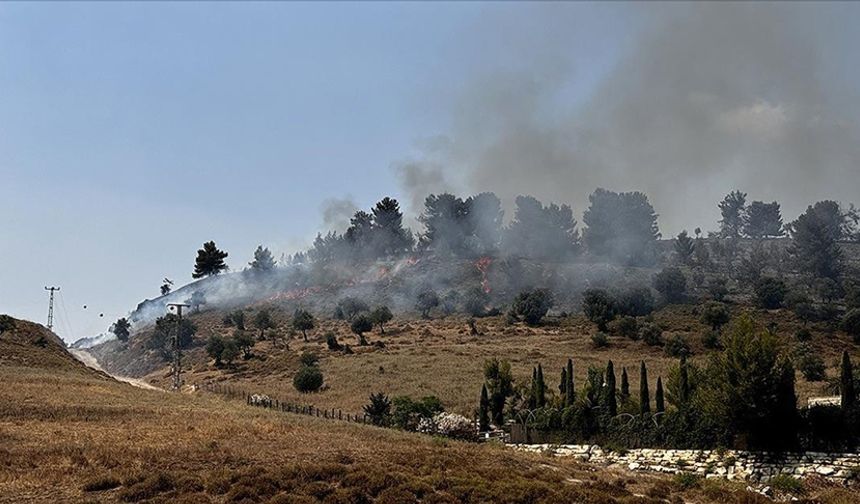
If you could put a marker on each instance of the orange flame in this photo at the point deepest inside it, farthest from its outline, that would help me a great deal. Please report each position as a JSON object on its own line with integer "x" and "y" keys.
{"x": 483, "y": 265}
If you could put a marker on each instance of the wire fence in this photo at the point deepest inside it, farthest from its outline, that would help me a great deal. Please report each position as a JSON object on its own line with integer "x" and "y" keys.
{"x": 265, "y": 401}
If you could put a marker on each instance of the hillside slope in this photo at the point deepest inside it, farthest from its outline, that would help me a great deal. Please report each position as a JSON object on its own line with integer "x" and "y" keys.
{"x": 68, "y": 434}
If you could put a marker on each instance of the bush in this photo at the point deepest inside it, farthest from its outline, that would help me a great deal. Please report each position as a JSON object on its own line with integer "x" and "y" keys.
{"x": 651, "y": 334}
{"x": 672, "y": 284}
{"x": 7, "y": 323}
{"x": 409, "y": 413}
{"x": 770, "y": 293}
{"x": 636, "y": 302}
{"x": 331, "y": 341}
{"x": 629, "y": 328}
{"x": 309, "y": 359}
{"x": 532, "y": 306}
{"x": 677, "y": 346}
{"x": 426, "y": 301}
{"x": 600, "y": 340}
{"x": 803, "y": 334}
{"x": 851, "y": 324}
{"x": 786, "y": 483}
{"x": 99, "y": 483}
{"x": 476, "y": 302}
{"x": 812, "y": 367}
{"x": 360, "y": 325}
{"x": 308, "y": 379}
{"x": 235, "y": 319}
{"x": 599, "y": 306}
{"x": 378, "y": 409}
{"x": 711, "y": 340}
{"x": 349, "y": 307}
{"x": 687, "y": 480}
{"x": 717, "y": 288}
{"x": 715, "y": 314}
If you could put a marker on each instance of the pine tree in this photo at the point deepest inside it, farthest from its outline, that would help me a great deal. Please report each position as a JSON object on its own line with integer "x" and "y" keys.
{"x": 625, "y": 386}
{"x": 484, "y": 410}
{"x": 848, "y": 393}
{"x": 571, "y": 392}
{"x": 644, "y": 396}
{"x": 733, "y": 212}
{"x": 659, "y": 406}
{"x": 210, "y": 261}
{"x": 684, "y": 247}
{"x": 609, "y": 391}
{"x": 121, "y": 329}
{"x": 533, "y": 394}
{"x": 263, "y": 260}
{"x": 541, "y": 388}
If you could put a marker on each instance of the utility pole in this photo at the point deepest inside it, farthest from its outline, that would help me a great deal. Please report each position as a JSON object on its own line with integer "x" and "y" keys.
{"x": 51, "y": 307}
{"x": 177, "y": 352}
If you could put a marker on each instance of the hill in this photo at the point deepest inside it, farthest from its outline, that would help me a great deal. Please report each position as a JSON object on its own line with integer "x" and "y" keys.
{"x": 68, "y": 434}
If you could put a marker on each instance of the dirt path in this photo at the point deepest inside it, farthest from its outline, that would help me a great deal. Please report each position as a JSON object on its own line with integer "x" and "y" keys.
{"x": 90, "y": 361}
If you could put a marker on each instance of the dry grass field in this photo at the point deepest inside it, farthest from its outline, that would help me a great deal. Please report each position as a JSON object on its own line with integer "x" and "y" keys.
{"x": 68, "y": 434}
{"x": 440, "y": 357}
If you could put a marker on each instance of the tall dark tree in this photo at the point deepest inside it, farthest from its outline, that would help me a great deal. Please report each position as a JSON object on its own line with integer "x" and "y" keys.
{"x": 541, "y": 388}
{"x": 542, "y": 232}
{"x": 671, "y": 283}
{"x": 444, "y": 220}
{"x": 815, "y": 242}
{"x": 210, "y": 261}
{"x": 625, "y": 386}
{"x": 562, "y": 384}
{"x": 846, "y": 380}
{"x": 763, "y": 220}
{"x": 121, "y": 329}
{"x": 733, "y": 214}
{"x": 484, "y": 410}
{"x": 263, "y": 260}
{"x": 621, "y": 226}
{"x": 389, "y": 236}
{"x": 570, "y": 397}
{"x": 659, "y": 405}
{"x": 610, "y": 401}
{"x": 166, "y": 286}
{"x": 644, "y": 395}
{"x": 499, "y": 381}
{"x": 684, "y": 248}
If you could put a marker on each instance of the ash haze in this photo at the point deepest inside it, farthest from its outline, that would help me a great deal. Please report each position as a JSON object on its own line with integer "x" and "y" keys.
{"x": 132, "y": 133}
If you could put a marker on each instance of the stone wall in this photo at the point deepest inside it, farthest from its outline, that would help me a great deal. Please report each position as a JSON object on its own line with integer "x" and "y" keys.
{"x": 730, "y": 464}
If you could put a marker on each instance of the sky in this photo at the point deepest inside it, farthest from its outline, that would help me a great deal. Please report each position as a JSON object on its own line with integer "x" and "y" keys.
{"x": 130, "y": 133}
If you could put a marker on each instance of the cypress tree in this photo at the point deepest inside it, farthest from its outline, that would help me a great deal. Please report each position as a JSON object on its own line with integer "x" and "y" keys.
{"x": 562, "y": 385}
{"x": 571, "y": 395}
{"x": 625, "y": 386}
{"x": 609, "y": 391}
{"x": 484, "y": 410}
{"x": 541, "y": 388}
{"x": 644, "y": 396}
{"x": 659, "y": 407}
{"x": 684, "y": 382}
{"x": 846, "y": 388}
{"x": 533, "y": 396}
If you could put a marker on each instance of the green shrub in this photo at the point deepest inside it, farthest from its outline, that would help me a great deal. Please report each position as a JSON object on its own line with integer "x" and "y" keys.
{"x": 600, "y": 340}
{"x": 309, "y": 359}
{"x": 677, "y": 346}
{"x": 715, "y": 314}
{"x": 651, "y": 334}
{"x": 770, "y": 293}
{"x": 636, "y": 302}
{"x": 600, "y": 307}
{"x": 810, "y": 363}
{"x": 687, "y": 480}
{"x": 672, "y": 284}
{"x": 308, "y": 379}
{"x": 711, "y": 340}
{"x": 331, "y": 341}
{"x": 803, "y": 335}
{"x": 786, "y": 483}
{"x": 628, "y": 327}
{"x": 532, "y": 306}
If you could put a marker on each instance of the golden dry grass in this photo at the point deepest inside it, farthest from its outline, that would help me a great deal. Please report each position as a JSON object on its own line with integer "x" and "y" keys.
{"x": 423, "y": 357}
{"x": 71, "y": 435}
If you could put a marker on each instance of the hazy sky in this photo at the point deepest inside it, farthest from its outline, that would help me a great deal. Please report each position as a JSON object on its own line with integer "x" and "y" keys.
{"x": 131, "y": 133}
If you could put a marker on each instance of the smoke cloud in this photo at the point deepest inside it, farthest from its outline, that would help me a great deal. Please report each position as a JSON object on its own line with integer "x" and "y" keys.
{"x": 708, "y": 98}
{"x": 336, "y": 213}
